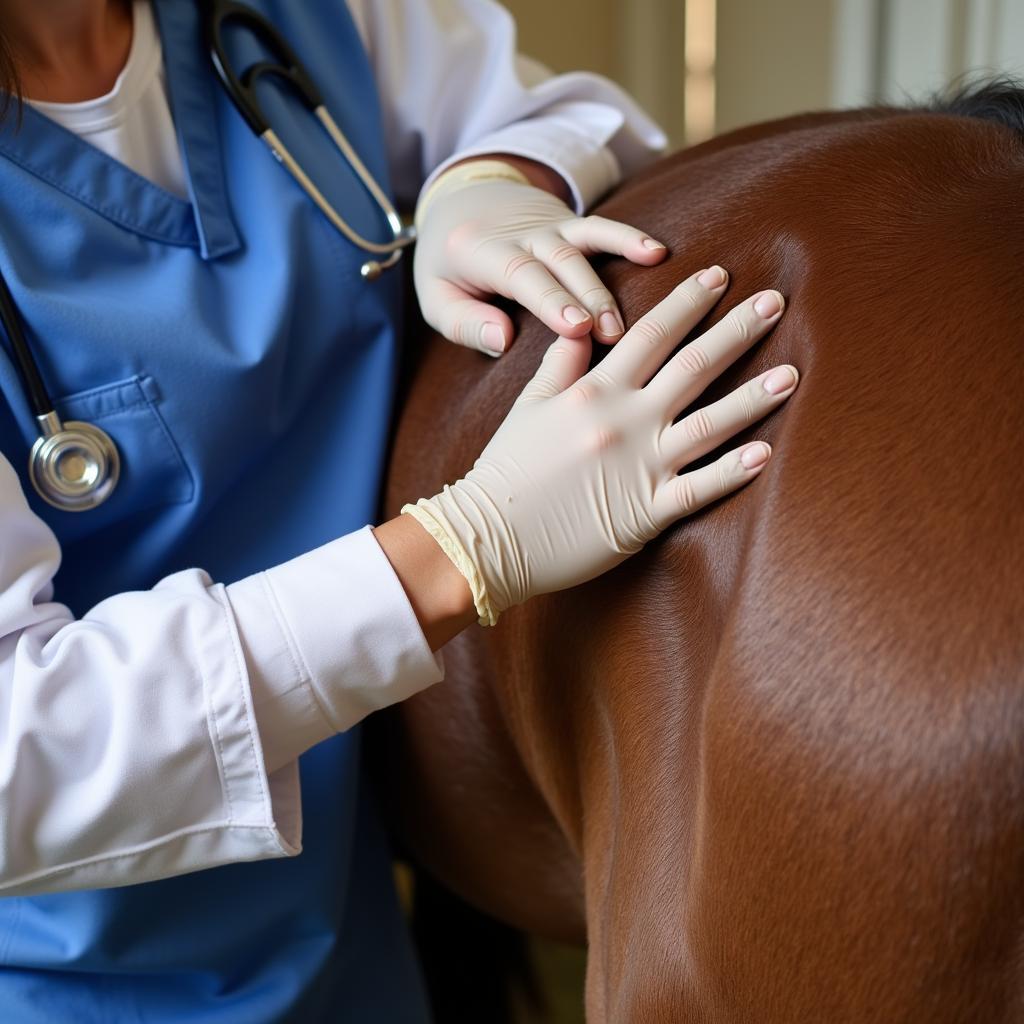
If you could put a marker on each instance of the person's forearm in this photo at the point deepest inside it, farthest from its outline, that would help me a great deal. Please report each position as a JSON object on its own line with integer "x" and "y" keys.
{"x": 437, "y": 591}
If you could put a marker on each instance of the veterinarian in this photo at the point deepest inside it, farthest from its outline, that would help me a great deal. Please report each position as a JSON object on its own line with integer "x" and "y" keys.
{"x": 200, "y": 342}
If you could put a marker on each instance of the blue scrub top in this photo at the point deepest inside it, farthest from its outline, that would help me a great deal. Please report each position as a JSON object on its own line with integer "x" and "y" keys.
{"x": 245, "y": 370}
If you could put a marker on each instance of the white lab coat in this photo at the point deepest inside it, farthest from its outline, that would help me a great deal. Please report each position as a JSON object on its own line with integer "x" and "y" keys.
{"x": 159, "y": 734}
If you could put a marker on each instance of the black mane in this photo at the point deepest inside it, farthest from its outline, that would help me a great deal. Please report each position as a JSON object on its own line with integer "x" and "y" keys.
{"x": 998, "y": 99}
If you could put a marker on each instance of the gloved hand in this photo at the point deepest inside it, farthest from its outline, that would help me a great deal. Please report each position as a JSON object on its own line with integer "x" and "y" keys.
{"x": 505, "y": 237}
{"x": 585, "y": 468}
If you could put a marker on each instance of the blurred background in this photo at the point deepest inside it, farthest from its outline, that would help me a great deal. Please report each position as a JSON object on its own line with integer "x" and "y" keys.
{"x": 702, "y": 67}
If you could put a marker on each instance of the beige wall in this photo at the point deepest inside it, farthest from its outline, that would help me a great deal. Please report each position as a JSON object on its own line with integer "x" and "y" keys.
{"x": 639, "y": 44}
{"x": 567, "y": 34}
{"x": 777, "y": 57}
{"x": 773, "y": 55}
{"x": 774, "y": 59}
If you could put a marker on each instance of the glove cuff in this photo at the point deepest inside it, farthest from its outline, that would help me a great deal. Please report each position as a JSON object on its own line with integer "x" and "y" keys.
{"x": 468, "y": 174}
{"x": 430, "y": 516}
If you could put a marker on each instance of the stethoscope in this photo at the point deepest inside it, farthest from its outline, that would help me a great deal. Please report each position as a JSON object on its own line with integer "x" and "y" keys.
{"x": 75, "y": 466}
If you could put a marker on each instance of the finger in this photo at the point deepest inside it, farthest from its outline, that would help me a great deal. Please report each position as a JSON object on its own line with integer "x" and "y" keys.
{"x": 599, "y": 234}
{"x": 573, "y": 270}
{"x": 683, "y": 495}
{"x": 648, "y": 342}
{"x": 705, "y": 429}
{"x": 694, "y": 367}
{"x": 464, "y": 319}
{"x": 520, "y": 275}
{"x": 565, "y": 361}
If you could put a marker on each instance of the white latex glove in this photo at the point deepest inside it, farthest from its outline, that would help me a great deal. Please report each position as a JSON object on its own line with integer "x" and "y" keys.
{"x": 505, "y": 238}
{"x": 585, "y": 468}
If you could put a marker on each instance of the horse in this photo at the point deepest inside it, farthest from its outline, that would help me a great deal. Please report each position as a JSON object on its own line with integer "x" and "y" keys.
{"x": 771, "y": 769}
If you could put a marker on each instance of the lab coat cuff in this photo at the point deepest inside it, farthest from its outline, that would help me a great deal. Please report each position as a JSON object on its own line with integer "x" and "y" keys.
{"x": 289, "y": 717}
{"x": 344, "y": 641}
{"x": 570, "y": 138}
{"x": 263, "y": 806}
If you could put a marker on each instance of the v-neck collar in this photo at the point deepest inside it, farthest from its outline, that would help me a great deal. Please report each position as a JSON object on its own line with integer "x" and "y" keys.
{"x": 113, "y": 190}
{"x": 193, "y": 95}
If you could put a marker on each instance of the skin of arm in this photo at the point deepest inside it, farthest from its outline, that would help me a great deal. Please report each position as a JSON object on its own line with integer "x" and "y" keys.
{"x": 437, "y": 591}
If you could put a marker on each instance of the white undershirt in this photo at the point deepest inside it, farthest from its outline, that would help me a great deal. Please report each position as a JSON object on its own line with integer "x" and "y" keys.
{"x": 133, "y": 122}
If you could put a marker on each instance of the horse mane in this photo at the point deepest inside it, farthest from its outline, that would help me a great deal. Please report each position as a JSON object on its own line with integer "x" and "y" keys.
{"x": 999, "y": 99}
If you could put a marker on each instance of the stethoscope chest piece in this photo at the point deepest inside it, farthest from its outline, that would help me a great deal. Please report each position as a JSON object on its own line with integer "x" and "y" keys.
{"x": 73, "y": 466}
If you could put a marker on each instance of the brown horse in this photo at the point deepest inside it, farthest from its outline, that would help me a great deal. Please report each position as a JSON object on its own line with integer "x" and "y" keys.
{"x": 772, "y": 768}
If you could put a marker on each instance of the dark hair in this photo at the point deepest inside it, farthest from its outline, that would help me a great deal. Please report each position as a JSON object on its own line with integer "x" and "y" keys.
{"x": 999, "y": 99}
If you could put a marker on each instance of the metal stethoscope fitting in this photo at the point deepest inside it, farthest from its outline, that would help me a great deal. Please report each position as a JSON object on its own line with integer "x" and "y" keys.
{"x": 75, "y": 466}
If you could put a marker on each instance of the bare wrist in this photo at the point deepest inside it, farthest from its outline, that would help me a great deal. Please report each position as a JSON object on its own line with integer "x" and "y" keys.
{"x": 437, "y": 591}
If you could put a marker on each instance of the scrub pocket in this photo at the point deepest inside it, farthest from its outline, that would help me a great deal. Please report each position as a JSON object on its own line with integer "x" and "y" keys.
{"x": 153, "y": 472}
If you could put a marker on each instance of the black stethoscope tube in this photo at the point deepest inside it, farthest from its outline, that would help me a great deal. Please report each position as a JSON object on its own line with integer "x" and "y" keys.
{"x": 242, "y": 90}
{"x": 286, "y": 66}
{"x": 38, "y": 396}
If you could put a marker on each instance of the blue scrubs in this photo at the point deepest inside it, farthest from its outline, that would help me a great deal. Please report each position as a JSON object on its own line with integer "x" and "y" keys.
{"x": 245, "y": 371}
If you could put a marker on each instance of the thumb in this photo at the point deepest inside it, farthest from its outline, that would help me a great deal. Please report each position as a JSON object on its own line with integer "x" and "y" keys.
{"x": 464, "y": 319}
{"x": 565, "y": 361}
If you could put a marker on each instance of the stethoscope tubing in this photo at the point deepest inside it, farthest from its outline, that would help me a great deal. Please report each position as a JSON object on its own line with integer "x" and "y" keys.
{"x": 287, "y": 67}
{"x": 28, "y": 368}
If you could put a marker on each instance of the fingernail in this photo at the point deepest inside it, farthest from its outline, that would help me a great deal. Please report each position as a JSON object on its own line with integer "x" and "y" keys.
{"x": 768, "y": 304}
{"x": 610, "y": 323}
{"x": 493, "y": 338}
{"x": 782, "y": 378}
{"x": 713, "y": 277}
{"x": 650, "y": 243}
{"x": 575, "y": 315}
{"x": 755, "y": 455}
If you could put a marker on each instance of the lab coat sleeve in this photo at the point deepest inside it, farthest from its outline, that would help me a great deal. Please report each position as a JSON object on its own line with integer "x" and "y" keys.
{"x": 130, "y": 748}
{"x": 329, "y": 637}
{"x": 452, "y": 86}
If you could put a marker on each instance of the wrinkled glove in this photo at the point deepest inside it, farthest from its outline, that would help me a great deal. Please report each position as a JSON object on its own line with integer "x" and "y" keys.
{"x": 585, "y": 468}
{"x": 502, "y": 236}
